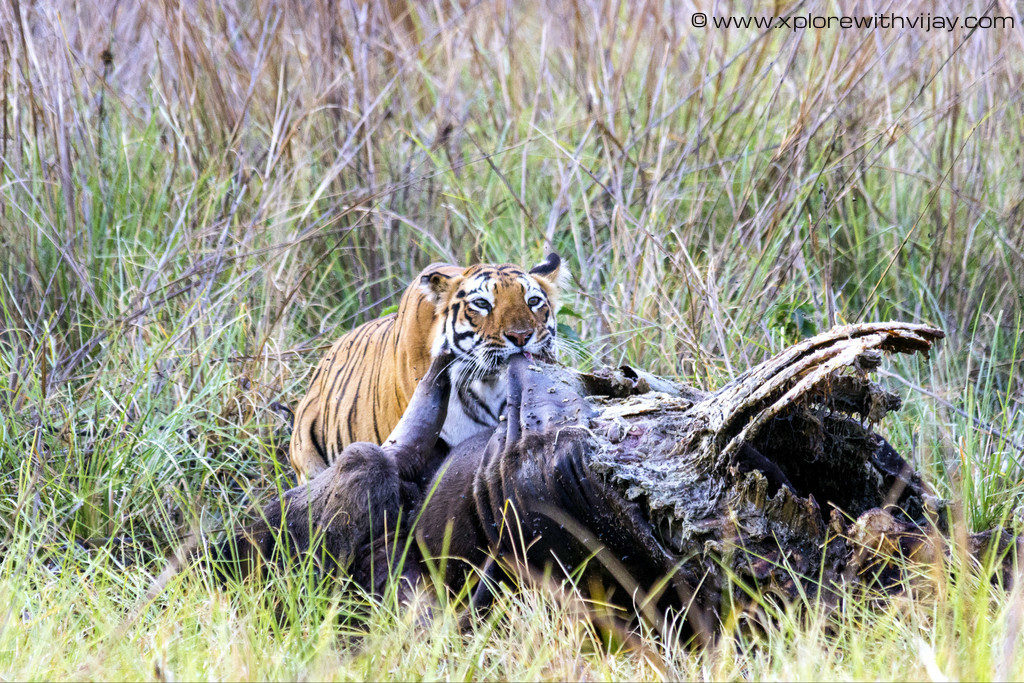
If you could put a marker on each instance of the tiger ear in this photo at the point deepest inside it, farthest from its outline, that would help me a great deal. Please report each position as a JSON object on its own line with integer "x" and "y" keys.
{"x": 435, "y": 284}
{"x": 550, "y": 269}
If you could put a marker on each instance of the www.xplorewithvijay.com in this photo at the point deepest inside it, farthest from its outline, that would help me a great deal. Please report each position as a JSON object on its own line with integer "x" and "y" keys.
{"x": 924, "y": 21}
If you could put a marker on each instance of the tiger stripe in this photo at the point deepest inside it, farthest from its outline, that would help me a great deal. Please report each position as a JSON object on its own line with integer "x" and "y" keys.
{"x": 483, "y": 313}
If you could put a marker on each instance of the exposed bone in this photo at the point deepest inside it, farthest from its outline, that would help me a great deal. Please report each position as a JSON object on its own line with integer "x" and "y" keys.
{"x": 682, "y": 464}
{"x": 817, "y": 368}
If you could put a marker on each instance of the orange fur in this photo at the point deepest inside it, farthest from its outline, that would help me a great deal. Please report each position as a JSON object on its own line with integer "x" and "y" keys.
{"x": 364, "y": 383}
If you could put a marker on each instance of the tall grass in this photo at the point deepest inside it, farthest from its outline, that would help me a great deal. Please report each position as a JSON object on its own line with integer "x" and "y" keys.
{"x": 196, "y": 197}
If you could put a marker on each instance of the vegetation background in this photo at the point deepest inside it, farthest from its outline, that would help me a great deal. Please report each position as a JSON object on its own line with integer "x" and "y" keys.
{"x": 197, "y": 196}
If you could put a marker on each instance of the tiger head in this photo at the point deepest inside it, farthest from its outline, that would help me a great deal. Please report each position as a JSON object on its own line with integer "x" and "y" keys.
{"x": 488, "y": 313}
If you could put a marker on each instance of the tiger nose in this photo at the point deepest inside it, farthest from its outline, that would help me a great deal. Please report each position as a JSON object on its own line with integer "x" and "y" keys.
{"x": 519, "y": 337}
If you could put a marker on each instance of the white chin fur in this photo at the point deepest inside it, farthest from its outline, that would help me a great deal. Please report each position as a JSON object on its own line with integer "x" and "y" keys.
{"x": 458, "y": 425}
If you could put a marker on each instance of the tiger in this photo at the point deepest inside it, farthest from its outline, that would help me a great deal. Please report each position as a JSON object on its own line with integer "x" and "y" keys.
{"x": 484, "y": 314}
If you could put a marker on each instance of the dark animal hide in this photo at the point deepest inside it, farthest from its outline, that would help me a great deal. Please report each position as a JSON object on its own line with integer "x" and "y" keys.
{"x": 666, "y": 498}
